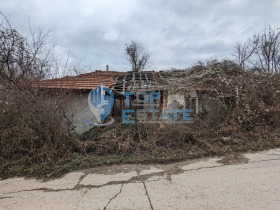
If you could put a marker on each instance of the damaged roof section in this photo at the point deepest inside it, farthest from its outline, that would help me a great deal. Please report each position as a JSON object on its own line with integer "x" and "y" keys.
{"x": 138, "y": 81}
{"x": 216, "y": 77}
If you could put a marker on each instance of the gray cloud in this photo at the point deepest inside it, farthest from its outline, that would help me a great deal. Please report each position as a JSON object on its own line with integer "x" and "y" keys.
{"x": 177, "y": 33}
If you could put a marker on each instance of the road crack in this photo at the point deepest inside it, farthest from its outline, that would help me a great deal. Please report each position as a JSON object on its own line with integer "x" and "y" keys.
{"x": 80, "y": 180}
{"x": 79, "y": 201}
{"x": 5, "y": 197}
{"x": 115, "y": 196}
{"x": 147, "y": 194}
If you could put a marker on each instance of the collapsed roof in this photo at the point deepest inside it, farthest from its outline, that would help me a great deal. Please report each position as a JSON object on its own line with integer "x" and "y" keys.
{"x": 214, "y": 77}
{"x": 138, "y": 81}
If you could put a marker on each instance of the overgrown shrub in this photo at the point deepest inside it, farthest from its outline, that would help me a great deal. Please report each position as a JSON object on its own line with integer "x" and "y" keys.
{"x": 31, "y": 129}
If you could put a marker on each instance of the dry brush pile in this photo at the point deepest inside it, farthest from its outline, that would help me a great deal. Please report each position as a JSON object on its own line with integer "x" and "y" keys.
{"x": 31, "y": 128}
{"x": 249, "y": 118}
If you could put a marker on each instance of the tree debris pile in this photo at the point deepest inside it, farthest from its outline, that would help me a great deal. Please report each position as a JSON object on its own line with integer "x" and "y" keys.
{"x": 249, "y": 98}
{"x": 221, "y": 77}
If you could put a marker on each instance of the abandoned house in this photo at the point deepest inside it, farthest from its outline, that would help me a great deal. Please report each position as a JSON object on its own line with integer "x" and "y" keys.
{"x": 176, "y": 92}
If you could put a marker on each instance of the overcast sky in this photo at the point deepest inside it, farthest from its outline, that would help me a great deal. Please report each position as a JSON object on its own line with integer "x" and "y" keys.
{"x": 177, "y": 33}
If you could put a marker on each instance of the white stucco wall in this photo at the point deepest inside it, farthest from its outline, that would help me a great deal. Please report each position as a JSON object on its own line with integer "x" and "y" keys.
{"x": 78, "y": 111}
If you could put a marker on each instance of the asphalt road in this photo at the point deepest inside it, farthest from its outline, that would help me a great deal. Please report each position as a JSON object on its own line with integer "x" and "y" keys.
{"x": 251, "y": 181}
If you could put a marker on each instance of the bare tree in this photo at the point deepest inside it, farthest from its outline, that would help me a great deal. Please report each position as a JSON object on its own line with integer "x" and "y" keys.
{"x": 77, "y": 68}
{"x": 243, "y": 51}
{"x": 137, "y": 56}
{"x": 268, "y": 51}
{"x": 261, "y": 52}
{"x": 23, "y": 59}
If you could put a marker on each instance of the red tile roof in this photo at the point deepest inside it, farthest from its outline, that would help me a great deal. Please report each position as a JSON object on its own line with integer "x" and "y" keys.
{"x": 86, "y": 81}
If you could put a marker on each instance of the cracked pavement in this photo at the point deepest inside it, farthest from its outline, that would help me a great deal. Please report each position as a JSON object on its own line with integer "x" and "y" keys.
{"x": 249, "y": 181}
